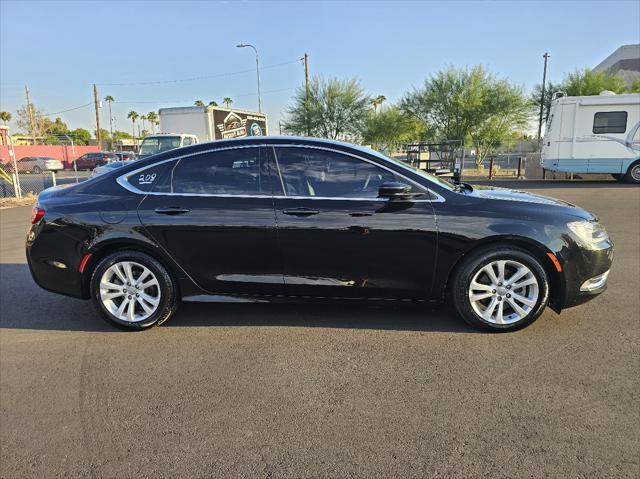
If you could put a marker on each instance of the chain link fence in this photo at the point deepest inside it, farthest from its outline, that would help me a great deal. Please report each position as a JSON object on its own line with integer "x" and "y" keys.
{"x": 14, "y": 185}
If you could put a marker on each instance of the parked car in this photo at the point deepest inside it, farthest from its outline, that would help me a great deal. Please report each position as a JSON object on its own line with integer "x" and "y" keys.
{"x": 99, "y": 170}
{"x": 126, "y": 155}
{"x": 89, "y": 161}
{"x": 37, "y": 164}
{"x": 272, "y": 218}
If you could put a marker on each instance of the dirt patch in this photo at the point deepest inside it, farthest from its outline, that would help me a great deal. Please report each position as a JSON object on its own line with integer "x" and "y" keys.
{"x": 26, "y": 200}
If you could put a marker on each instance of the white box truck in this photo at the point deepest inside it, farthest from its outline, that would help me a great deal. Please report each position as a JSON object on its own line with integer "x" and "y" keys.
{"x": 188, "y": 125}
{"x": 212, "y": 122}
{"x": 594, "y": 134}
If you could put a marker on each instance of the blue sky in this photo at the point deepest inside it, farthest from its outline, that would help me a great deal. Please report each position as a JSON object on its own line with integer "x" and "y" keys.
{"x": 61, "y": 48}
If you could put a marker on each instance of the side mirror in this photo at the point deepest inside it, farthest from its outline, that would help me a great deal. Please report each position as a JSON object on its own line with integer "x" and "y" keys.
{"x": 393, "y": 189}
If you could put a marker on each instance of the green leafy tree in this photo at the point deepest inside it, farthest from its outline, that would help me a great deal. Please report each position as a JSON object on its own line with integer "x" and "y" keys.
{"x": 469, "y": 104}
{"x": 213, "y": 103}
{"x": 336, "y": 109}
{"x": 121, "y": 135}
{"x": 80, "y": 136}
{"x": 589, "y": 82}
{"x": 389, "y": 129}
{"x": 5, "y": 116}
{"x": 536, "y": 98}
{"x": 198, "y": 103}
{"x": 227, "y": 101}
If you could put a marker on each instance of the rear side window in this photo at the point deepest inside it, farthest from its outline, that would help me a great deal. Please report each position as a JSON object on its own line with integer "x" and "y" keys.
{"x": 156, "y": 178}
{"x": 187, "y": 141}
{"x": 610, "y": 122}
{"x": 239, "y": 171}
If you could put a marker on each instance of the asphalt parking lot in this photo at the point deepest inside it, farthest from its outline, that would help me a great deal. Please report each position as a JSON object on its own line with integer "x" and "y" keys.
{"x": 338, "y": 390}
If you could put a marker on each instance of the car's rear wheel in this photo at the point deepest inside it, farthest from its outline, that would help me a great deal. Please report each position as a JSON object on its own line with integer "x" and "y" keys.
{"x": 633, "y": 173}
{"x": 501, "y": 289}
{"x": 133, "y": 291}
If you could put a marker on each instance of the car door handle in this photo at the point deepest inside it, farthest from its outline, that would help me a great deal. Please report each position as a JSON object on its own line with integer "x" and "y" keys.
{"x": 300, "y": 212}
{"x": 171, "y": 210}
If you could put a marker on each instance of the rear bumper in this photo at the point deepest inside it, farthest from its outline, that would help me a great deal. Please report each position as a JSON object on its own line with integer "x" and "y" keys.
{"x": 53, "y": 267}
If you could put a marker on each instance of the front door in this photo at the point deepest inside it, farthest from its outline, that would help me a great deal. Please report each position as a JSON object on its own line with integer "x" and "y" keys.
{"x": 213, "y": 213}
{"x": 339, "y": 239}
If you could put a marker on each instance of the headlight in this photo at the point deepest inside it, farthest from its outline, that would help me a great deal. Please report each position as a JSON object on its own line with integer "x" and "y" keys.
{"x": 590, "y": 234}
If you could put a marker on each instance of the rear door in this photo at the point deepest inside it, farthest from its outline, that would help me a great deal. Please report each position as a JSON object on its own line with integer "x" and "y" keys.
{"x": 339, "y": 239}
{"x": 213, "y": 213}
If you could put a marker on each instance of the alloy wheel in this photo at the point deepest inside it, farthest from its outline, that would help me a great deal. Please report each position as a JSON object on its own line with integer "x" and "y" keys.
{"x": 635, "y": 173}
{"x": 130, "y": 291}
{"x": 503, "y": 292}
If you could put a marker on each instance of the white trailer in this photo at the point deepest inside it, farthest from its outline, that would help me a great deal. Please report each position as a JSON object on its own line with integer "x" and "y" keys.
{"x": 594, "y": 134}
{"x": 212, "y": 122}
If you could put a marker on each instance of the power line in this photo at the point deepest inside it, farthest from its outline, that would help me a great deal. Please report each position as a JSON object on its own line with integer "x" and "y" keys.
{"x": 197, "y": 78}
{"x": 70, "y": 109}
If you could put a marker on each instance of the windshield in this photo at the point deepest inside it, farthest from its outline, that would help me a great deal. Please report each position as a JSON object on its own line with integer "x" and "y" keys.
{"x": 151, "y": 146}
{"x": 433, "y": 178}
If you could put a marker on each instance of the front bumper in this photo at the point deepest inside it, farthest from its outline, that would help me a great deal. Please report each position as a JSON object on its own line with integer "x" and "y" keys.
{"x": 586, "y": 273}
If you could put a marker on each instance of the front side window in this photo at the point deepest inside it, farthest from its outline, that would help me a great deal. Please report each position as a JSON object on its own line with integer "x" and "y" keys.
{"x": 238, "y": 171}
{"x": 318, "y": 173}
{"x": 610, "y": 122}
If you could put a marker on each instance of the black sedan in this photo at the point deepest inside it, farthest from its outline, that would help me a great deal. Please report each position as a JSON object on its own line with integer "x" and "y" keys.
{"x": 273, "y": 218}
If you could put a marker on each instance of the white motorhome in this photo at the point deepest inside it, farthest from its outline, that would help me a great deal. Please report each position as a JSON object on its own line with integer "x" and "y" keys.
{"x": 594, "y": 134}
{"x": 212, "y": 122}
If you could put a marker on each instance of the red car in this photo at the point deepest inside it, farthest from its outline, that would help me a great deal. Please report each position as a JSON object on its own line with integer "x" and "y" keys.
{"x": 89, "y": 161}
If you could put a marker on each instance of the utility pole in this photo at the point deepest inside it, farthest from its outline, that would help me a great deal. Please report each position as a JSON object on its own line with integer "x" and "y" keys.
{"x": 30, "y": 114}
{"x": 306, "y": 85}
{"x": 97, "y": 105}
{"x": 544, "y": 81}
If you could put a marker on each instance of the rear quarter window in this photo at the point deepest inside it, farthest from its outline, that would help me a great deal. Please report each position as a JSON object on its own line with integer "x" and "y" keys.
{"x": 154, "y": 178}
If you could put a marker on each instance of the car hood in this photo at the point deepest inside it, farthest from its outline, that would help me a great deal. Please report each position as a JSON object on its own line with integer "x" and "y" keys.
{"x": 518, "y": 196}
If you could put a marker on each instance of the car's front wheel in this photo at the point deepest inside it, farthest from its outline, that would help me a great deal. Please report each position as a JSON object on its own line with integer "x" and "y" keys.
{"x": 133, "y": 291}
{"x": 500, "y": 289}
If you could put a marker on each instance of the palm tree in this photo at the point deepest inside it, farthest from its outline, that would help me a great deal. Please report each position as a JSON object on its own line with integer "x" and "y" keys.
{"x": 227, "y": 101}
{"x": 133, "y": 116}
{"x": 5, "y": 116}
{"x": 198, "y": 103}
{"x": 152, "y": 117}
{"x": 143, "y": 118}
{"x": 213, "y": 103}
{"x": 379, "y": 100}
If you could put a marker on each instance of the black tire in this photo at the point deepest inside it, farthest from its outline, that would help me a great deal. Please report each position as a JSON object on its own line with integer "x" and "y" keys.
{"x": 472, "y": 265}
{"x": 618, "y": 176}
{"x": 169, "y": 299}
{"x": 36, "y": 170}
{"x": 633, "y": 174}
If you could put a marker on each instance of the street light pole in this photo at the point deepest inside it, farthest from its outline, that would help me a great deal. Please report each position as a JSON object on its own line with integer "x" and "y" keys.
{"x": 544, "y": 80}
{"x": 244, "y": 45}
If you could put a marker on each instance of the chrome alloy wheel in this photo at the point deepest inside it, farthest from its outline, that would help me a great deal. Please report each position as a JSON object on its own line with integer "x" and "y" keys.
{"x": 635, "y": 173}
{"x": 129, "y": 291}
{"x": 503, "y": 292}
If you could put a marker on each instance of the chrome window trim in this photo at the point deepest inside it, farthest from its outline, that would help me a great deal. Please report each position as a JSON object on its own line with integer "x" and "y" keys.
{"x": 122, "y": 179}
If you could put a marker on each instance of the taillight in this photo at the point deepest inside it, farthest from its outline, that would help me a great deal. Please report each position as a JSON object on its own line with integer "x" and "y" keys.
{"x": 36, "y": 214}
